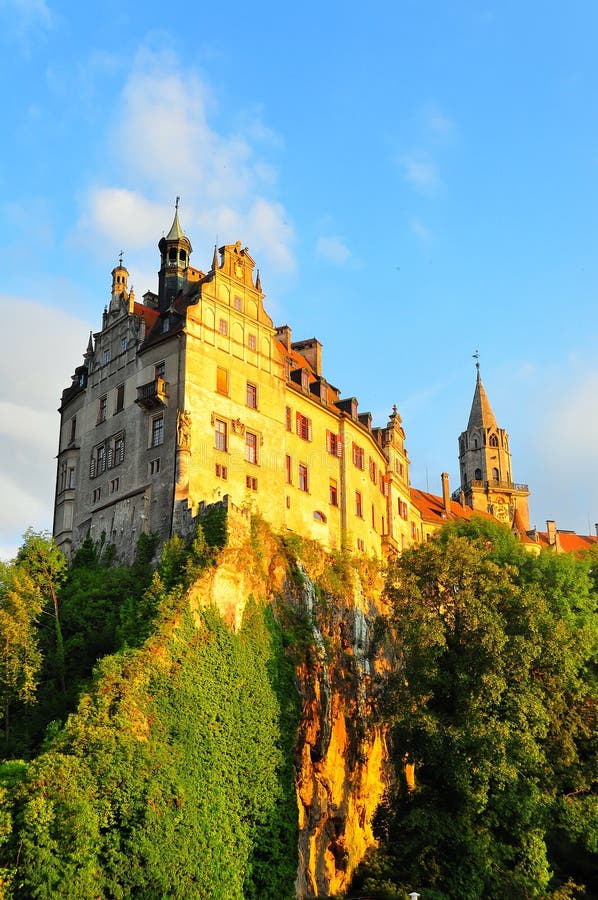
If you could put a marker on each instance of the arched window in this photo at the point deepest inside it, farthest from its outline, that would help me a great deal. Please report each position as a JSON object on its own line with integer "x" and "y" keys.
{"x": 495, "y": 474}
{"x": 182, "y": 256}
{"x": 475, "y": 443}
{"x": 477, "y": 475}
{"x": 493, "y": 440}
{"x": 172, "y": 254}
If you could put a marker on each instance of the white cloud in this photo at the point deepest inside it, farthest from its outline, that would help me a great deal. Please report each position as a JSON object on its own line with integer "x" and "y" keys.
{"x": 420, "y": 172}
{"x": 172, "y": 148}
{"x": 333, "y": 249}
{"x": 32, "y": 377}
{"x": 28, "y": 12}
{"x": 421, "y": 230}
{"x": 437, "y": 123}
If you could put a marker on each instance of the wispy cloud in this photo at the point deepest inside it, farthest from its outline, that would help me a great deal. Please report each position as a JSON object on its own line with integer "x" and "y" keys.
{"x": 437, "y": 123}
{"x": 421, "y": 231}
{"x": 225, "y": 178}
{"x": 420, "y": 171}
{"x": 333, "y": 249}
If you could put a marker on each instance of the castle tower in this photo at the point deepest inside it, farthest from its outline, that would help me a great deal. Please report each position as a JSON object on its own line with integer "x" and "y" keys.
{"x": 119, "y": 284}
{"x": 175, "y": 250}
{"x": 485, "y": 464}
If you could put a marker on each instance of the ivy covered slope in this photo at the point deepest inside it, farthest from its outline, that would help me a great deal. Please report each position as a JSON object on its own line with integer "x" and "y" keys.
{"x": 173, "y": 777}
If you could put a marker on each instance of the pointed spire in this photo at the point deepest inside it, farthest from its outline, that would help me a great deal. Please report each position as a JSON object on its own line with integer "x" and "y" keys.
{"x": 258, "y": 282}
{"x": 215, "y": 259}
{"x": 176, "y": 232}
{"x": 89, "y": 351}
{"x": 481, "y": 415}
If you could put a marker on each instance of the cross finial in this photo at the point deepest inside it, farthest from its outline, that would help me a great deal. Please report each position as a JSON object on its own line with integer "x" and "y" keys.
{"x": 476, "y": 356}
{"x": 176, "y": 203}
{"x": 120, "y": 258}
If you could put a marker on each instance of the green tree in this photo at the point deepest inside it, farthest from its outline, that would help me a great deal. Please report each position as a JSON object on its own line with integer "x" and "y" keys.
{"x": 489, "y": 704}
{"x": 46, "y": 566}
{"x": 20, "y": 658}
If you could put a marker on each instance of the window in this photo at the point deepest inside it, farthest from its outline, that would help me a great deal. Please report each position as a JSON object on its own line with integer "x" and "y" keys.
{"x": 360, "y": 544}
{"x": 157, "y": 431}
{"x": 114, "y": 485}
{"x": 102, "y": 408}
{"x": 160, "y": 370}
{"x": 123, "y": 344}
{"x": 239, "y": 304}
{"x": 251, "y": 395}
{"x": 251, "y": 447}
{"x": 221, "y": 471}
{"x": 324, "y": 394}
{"x": 223, "y": 327}
{"x": 106, "y": 356}
{"x": 220, "y": 435}
{"x": 71, "y": 479}
{"x": 403, "y": 509}
{"x": 413, "y": 531}
{"x": 62, "y": 477}
{"x": 495, "y": 475}
{"x": 101, "y": 457}
{"x": 493, "y": 440}
{"x": 289, "y": 419}
{"x": 289, "y": 469}
{"x": 358, "y": 504}
{"x": 373, "y": 517}
{"x": 373, "y": 470}
{"x": 319, "y": 516}
{"x": 73, "y": 428}
{"x": 477, "y": 475}
{"x": 304, "y": 379}
{"x": 120, "y": 398}
{"x": 154, "y": 466}
{"x": 97, "y": 493}
{"x": 333, "y": 443}
{"x": 358, "y": 456}
{"x": 303, "y": 477}
{"x": 222, "y": 381}
{"x": 251, "y": 482}
{"x": 119, "y": 450}
{"x": 303, "y": 427}
{"x": 252, "y": 342}
{"x": 333, "y": 492}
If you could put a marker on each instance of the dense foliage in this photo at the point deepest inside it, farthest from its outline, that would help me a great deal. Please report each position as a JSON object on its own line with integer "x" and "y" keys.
{"x": 492, "y": 710}
{"x": 174, "y": 777}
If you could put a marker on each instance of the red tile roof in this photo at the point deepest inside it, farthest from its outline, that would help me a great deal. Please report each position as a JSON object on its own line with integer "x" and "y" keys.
{"x": 569, "y": 541}
{"x": 432, "y": 509}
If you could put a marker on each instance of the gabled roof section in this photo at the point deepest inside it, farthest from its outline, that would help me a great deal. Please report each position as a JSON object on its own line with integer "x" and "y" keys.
{"x": 481, "y": 415}
{"x": 432, "y": 509}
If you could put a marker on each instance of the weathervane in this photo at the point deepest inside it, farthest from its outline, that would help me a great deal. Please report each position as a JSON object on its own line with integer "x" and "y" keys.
{"x": 476, "y": 356}
{"x": 120, "y": 258}
{"x": 176, "y": 203}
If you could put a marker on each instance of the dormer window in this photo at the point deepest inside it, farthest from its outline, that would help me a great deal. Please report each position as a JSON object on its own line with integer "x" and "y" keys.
{"x": 304, "y": 379}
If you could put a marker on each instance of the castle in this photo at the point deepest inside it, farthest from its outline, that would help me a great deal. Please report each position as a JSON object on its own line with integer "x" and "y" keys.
{"x": 194, "y": 395}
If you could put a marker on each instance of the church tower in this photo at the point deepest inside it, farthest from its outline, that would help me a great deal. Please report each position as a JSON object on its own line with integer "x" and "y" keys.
{"x": 485, "y": 464}
{"x": 175, "y": 250}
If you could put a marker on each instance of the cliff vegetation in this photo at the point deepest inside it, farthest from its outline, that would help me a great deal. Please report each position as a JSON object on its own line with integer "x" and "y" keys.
{"x": 255, "y": 718}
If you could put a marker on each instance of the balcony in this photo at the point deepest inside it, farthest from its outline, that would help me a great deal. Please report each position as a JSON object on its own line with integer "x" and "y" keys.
{"x": 490, "y": 485}
{"x": 152, "y": 395}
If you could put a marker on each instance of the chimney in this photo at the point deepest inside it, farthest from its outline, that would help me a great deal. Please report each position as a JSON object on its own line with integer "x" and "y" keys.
{"x": 446, "y": 493}
{"x": 553, "y": 537}
{"x": 283, "y": 333}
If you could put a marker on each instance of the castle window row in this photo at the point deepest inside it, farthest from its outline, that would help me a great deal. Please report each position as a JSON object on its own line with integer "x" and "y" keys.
{"x": 105, "y": 456}
{"x": 66, "y": 477}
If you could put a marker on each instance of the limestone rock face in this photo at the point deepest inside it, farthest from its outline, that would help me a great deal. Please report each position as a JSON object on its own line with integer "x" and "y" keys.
{"x": 342, "y": 760}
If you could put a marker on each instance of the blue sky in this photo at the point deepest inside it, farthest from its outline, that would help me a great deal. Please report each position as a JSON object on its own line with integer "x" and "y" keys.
{"x": 416, "y": 180}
